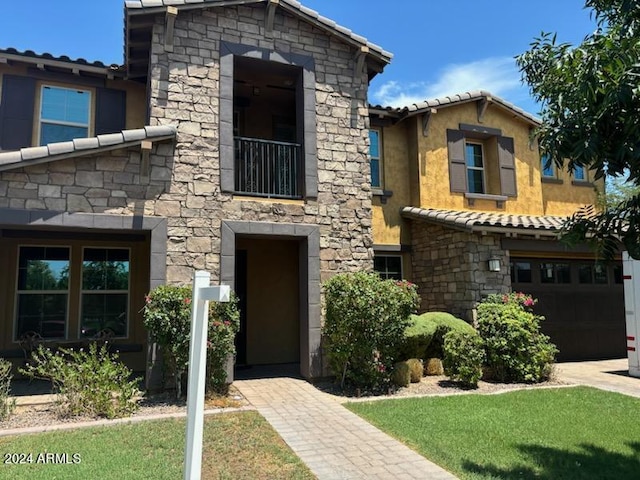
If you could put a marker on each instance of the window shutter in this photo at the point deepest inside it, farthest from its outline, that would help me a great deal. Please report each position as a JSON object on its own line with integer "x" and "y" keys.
{"x": 16, "y": 112}
{"x": 457, "y": 163}
{"x": 111, "y": 110}
{"x": 506, "y": 159}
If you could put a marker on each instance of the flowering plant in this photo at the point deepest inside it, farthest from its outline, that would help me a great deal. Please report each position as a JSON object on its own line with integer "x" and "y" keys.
{"x": 518, "y": 298}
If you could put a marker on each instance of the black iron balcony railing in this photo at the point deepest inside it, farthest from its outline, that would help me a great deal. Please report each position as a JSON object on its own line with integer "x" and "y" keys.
{"x": 268, "y": 169}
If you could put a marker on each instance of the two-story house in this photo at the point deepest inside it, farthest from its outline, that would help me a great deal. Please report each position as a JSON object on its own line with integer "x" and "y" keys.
{"x": 234, "y": 139}
{"x": 464, "y": 205}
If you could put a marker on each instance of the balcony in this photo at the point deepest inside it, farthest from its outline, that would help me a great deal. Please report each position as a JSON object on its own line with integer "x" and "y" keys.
{"x": 265, "y": 168}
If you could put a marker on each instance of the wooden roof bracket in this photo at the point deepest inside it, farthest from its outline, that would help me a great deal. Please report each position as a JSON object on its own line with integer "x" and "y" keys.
{"x": 483, "y": 104}
{"x": 426, "y": 121}
{"x": 360, "y": 57}
{"x": 272, "y": 5}
{"x": 170, "y": 19}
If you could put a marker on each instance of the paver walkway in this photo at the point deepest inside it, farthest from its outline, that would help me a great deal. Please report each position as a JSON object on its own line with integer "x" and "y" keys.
{"x": 334, "y": 442}
{"x": 612, "y": 375}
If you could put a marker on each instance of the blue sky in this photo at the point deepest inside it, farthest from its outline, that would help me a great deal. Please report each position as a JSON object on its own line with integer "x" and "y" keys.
{"x": 440, "y": 47}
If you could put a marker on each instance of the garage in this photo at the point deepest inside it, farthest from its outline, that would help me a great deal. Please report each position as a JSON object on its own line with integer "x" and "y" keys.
{"x": 582, "y": 301}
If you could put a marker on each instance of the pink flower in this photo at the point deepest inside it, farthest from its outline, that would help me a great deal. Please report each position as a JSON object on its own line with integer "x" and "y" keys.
{"x": 187, "y": 301}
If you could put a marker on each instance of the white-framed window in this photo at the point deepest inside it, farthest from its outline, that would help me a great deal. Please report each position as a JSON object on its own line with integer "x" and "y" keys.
{"x": 104, "y": 296}
{"x": 64, "y": 114}
{"x": 580, "y": 174}
{"x": 388, "y": 266}
{"x": 547, "y": 167}
{"x": 375, "y": 154}
{"x": 474, "y": 156}
{"x": 42, "y": 302}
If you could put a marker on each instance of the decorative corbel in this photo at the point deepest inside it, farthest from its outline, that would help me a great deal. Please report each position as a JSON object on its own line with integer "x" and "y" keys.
{"x": 426, "y": 121}
{"x": 272, "y": 5}
{"x": 145, "y": 164}
{"x": 170, "y": 20}
{"x": 361, "y": 55}
{"x": 483, "y": 104}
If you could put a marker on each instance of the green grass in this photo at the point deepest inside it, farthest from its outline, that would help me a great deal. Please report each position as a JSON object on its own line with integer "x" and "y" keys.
{"x": 236, "y": 446}
{"x": 564, "y": 433}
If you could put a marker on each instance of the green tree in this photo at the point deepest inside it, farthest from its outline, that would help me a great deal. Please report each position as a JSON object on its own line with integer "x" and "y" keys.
{"x": 590, "y": 96}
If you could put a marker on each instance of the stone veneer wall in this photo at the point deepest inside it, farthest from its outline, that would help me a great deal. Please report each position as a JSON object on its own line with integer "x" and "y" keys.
{"x": 185, "y": 92}
{"x": 450, "y": 268}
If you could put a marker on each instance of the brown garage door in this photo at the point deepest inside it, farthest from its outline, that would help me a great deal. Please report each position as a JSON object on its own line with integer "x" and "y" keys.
{"x": 582, "y": 301}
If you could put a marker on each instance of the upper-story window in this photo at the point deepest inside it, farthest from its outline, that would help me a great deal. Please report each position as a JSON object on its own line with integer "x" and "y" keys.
{"x": 481, "y": 163}
{"x": 547, "y": 167}
{"x": 475, "y": 167}
{"x": 580, "y": 174}
{"x": 375, "y": 153}
{"x": 64, "y": 114}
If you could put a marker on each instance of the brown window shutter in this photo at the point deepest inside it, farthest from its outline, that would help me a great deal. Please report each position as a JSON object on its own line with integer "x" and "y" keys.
{"x": 507, "y": 161}
{"x": 457, "y": 163}
{"x": 16, "y": 112}
{"x": 111, "y": 112}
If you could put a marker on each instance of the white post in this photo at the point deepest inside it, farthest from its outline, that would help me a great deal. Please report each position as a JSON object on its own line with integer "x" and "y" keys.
{"x": 201, "y": 295}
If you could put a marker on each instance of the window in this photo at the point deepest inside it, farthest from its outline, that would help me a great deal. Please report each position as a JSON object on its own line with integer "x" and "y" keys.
{"x": 548, "y": 168}
{"x": 388, "y": 266}
{"x": 105, "y": 291}
{"x": 475, "y": 167}
{"x": 521, "y": 272}
{"x": 579, "y": 174}
{"x": 593, "y": 273}
{"x": 64, "y": 114}
{"x": 555, "y": 273}
{"x": 43, "y": 291}
{"x": 375, "y": 151}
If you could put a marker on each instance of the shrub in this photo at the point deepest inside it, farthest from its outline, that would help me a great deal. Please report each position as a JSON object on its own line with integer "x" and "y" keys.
{"x": 433, "y": 366}
{"x": 463, "y": 357}
{"x": 416, "y": 368}
{"x": 516, "y": 350}
{"x": 88, "y": 382}
{"x": 424, "y": 336}
{"x": 401, "y": 375}
{"x": 167, "y": 316}
{"x": 7, "y": 405}
{"x": 365, "y": 321}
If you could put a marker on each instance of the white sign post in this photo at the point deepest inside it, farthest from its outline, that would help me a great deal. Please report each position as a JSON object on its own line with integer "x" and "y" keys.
{"x": 202, "y": 294}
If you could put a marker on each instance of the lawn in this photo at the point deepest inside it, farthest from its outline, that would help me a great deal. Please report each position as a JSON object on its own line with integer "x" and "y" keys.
{"x": 563, "y": 433}
{"x": 236, "y": 446}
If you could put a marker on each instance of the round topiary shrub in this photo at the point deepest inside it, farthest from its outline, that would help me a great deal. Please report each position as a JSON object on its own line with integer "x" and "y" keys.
{"x": 424, "y": 336}
{"x": 401, "y": 375}
{"x": 463, "y": 357}
{"x": 416, "y": 369}
{"x": 433, "y": 366}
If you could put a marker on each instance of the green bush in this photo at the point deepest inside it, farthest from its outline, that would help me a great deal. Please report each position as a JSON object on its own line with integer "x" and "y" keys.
{"x": 7, "y": 405}
{"x": 401, "y": 375}
{"x": 463, "y": 357}
{"x": 516, "y": 350}
{"x": 416, "y": 368}
{"x": 167, "y": 316}
{"x": 424, "y": 336}
{"x": 88, "y": 382}
{"x": 365, "y": 321}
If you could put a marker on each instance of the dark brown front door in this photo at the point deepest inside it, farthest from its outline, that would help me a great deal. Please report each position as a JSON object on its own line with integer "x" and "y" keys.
{"x": 582, "y": 302}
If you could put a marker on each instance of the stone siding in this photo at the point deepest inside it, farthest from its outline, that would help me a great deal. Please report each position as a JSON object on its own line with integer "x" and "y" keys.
{"x": 451, "y": 268}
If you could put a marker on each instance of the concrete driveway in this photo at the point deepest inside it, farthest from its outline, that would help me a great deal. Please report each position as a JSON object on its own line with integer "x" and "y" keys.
{"x": 612, "y": 375}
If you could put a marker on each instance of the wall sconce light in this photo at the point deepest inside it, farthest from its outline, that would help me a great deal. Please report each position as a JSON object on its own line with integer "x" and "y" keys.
{"x": 494, "y": 264}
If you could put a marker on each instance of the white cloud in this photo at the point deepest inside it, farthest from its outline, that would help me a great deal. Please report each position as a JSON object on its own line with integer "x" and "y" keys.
{"x": 498, "y": 75}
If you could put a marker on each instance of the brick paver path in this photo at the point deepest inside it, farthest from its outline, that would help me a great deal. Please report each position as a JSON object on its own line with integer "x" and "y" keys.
{"x": 333, "y": 442}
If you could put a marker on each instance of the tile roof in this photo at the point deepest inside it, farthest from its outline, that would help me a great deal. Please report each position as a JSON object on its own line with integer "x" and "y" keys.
{"x": 465, "y": 97}
{"x": 83, "y": 146}
{"x": 32, "y": 57}
{"x": 291, "y": 5}
{"x": 486, "y": 221}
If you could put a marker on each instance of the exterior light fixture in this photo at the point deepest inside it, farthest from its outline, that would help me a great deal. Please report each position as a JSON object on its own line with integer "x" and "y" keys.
{"x": 494, "y": 264}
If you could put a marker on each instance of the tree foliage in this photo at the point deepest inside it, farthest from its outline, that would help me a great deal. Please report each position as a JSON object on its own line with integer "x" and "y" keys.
{"x": 590, "y": 96}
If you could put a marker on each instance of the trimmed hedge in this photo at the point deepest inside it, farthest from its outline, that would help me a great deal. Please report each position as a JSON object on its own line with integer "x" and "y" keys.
{"x": 463, "y": 357}
{"x": 424, "y": 337}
